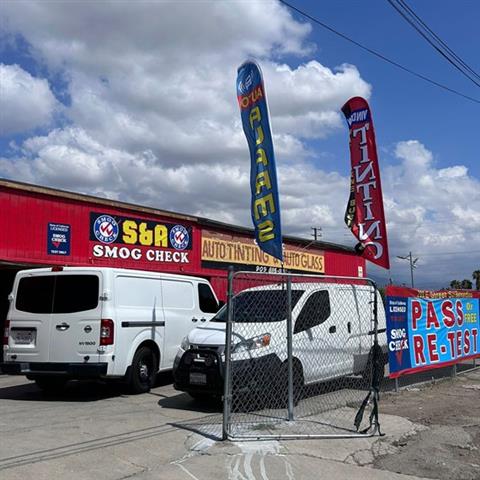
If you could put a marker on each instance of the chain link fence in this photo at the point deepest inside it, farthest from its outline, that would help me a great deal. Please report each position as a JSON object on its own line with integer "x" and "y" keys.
{"x": 305, "y": 356}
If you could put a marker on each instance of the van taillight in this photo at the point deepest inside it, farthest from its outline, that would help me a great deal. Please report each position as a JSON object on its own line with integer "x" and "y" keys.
{"x": 6, "y": 332}
{"x": 106, "y": 332}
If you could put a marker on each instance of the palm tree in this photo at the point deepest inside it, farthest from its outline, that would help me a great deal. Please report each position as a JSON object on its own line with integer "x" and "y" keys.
{"x": 476, "y": 277}
{"x": 455, "y": 284}
{"x": 466, "y": 285}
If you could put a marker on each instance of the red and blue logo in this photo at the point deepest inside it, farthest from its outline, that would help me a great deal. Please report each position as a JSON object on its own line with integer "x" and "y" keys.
{"x": 105, "y": 229}
{"x": 179, "y": 237}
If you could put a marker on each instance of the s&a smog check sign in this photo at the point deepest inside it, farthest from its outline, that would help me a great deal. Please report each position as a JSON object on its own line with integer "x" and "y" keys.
{"x": 128, "y": 238}
{"x": 428, "y": 329}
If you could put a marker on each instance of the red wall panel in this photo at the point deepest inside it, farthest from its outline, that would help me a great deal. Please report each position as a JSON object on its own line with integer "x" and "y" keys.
{"x": 25, "y": 215}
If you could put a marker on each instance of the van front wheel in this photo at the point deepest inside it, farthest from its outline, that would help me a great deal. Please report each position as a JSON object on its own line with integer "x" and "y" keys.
{"x": 143, "y": 370}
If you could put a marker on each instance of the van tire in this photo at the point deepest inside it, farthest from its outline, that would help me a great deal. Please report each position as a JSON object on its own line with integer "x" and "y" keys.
{"x": 202, "y": 396}
{"x": 143, "y": 371}
{"x": 298, "y": 382}
{"x": 367, "y": 373}
{"x": 51, "y": 384}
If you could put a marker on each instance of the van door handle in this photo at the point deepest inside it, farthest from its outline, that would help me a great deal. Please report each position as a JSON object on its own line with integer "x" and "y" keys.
{"x": 332, "y": 329}
{"x": 203, "y": 319}
{"x": 63, "y": 326}
{"x": 194, "y": 319}
{"x": 349, "y": 327}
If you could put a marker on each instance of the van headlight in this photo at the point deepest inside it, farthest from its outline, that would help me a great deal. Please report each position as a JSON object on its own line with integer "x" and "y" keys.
{"x": 185, "y": 345}
{"x": 252, "y": 343}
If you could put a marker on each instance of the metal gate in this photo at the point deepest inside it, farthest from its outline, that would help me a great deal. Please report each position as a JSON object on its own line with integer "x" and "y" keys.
{"x": 304, "y": 356}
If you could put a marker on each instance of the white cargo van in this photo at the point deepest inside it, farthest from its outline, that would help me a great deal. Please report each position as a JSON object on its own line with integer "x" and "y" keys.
{"x": 332, "y": 336}
{"x": 89, "y": 322}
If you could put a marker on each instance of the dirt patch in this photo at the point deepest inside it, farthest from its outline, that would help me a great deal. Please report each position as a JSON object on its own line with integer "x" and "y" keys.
{"x": 449, "y": 449}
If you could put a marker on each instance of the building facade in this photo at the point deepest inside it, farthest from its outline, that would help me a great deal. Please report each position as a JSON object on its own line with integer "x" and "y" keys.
{"x": 45, "y": 227}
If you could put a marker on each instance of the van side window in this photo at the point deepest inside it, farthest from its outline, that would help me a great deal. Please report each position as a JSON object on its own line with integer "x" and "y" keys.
{"x": 177, "y": 294}
{"x": 208, "y": 302}
{"x": 315, "y": 311}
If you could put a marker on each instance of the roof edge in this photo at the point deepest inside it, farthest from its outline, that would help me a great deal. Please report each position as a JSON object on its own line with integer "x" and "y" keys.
{"x": 206, "y": 222}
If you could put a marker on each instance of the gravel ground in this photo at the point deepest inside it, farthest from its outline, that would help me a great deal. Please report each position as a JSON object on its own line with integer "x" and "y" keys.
{"x": 448, "y": 447}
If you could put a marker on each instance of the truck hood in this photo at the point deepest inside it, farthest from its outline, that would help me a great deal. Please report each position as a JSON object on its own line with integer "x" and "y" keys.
{"x": 210, "y": 334}
{"x": 213, "y": 333}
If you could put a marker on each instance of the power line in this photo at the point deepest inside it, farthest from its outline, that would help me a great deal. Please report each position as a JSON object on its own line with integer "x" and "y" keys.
{"x": 446, "y": 253}
{"x": 440, "y": 40}
{"x": 377, "y": 54}
{"x": 443, "y": 49}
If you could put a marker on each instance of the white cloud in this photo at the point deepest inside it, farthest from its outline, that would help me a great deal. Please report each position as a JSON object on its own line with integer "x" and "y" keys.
{"x": 433, "y": 212}
{"x": 154, "y": 120}
{"x": 26, "y": 102}
{"x": 169, "y": 86}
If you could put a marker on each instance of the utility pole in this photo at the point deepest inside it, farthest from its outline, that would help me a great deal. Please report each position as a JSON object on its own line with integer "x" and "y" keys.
{"x": 413, "y": 264}
{"x": 317, "y": 232}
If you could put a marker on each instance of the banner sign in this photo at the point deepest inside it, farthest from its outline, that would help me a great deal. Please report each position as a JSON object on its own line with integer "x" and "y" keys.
{"x": 428, "y": 330}
{"x": 364, "y": 215}
{"x": 221, "y": 251}
{"x": 139, "y": 239}
{"x": 58, "y": 239}
{"x": 265, "y": 205}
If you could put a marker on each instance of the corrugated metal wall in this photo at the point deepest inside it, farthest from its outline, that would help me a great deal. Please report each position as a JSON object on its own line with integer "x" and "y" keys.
{"x": 25, "y": 215}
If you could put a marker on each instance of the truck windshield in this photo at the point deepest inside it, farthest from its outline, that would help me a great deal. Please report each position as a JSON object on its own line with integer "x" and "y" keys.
{"x": 57, "y": 293}
{"x": 258, "y": 306}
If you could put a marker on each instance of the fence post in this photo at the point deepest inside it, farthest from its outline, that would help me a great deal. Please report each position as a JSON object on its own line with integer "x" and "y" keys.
{"x": 227, "y": 394}
{"x": 375, "y": 312}
{"x": 454, "y": 370}
{"x": 290, "y": 348}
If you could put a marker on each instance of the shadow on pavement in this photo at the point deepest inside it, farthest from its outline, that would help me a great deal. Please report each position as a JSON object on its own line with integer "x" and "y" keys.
{"x": 75, "y": 391}
{"x": 183, "y": 401}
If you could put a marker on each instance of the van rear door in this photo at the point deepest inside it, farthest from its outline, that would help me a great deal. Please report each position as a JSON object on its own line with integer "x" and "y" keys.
{"x": 76, "y": 317}
{"x": 29, "y": 315}
{"x": 55, "y": 317}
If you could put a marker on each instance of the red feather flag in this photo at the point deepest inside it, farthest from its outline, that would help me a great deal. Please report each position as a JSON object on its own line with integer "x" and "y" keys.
{"x": 364, "y": 215}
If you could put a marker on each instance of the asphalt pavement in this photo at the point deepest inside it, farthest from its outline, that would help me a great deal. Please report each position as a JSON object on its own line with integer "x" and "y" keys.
{"x": 95, "y": 430}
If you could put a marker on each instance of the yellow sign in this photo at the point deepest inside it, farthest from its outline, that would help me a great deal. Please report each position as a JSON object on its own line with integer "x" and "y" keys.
{"x": 215, "y": 249}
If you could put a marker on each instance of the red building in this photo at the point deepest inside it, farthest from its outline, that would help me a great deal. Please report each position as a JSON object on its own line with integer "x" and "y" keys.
{"x": 42, "y": 227}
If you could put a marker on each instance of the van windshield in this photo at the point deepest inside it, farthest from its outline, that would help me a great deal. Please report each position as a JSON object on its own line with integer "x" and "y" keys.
{"x": 258, "y": 306}
{"x": 57, "y": 293}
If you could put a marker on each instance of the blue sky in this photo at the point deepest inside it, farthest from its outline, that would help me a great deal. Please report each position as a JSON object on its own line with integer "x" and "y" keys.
{"x": 136, "y": 101}
{"x": 405, "y": 106}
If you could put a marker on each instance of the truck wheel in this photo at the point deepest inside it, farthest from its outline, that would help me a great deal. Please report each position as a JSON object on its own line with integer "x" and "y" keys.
{"x": 201, "y": 396}
{"x": 142, "y": 371}
{"x": 298, "y": 382}
{"x": 367, "y": 374}
{"x": 51, "y": 384}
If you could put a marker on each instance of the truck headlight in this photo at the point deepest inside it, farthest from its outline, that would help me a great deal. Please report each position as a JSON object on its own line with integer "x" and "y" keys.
{"x": 252, "y": 343}
{"x": 185, "y": 345}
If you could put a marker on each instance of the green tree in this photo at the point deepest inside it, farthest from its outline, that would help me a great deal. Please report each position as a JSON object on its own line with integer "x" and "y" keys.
{"x": 461, "y": 285}
{"x": 476, "y": 277}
